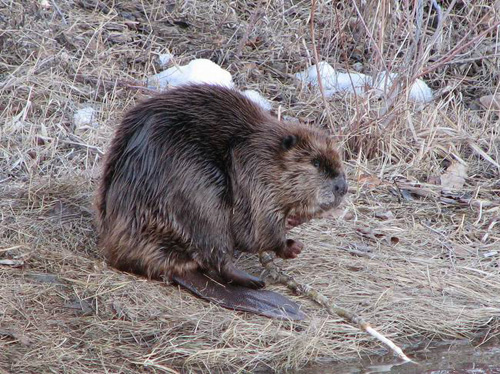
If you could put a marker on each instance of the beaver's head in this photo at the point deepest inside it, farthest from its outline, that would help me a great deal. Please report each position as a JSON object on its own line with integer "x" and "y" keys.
{"x": 312, "y": 179}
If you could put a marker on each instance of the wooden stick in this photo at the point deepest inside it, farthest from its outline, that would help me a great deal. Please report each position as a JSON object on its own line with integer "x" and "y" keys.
{"x": 278, "y": 275}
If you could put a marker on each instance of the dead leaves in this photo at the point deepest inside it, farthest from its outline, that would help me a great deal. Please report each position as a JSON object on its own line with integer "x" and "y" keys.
{"x": 369, "y": 181}
{"x": 413, "y": 190}
{"x": 13, "y": 263}
{"x": 384, "y": 215}
{"x": 454, "y": 177}
{"x": 377, "y": 234}
{"x": 447, "y": 188}
{"x": 15, "y": 335}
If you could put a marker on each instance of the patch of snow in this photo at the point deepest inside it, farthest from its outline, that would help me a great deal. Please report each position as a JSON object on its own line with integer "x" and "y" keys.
{"x": 257, "y": 98}
{"x": 349, "y": 82}
{"x": 310, "y": 75}
{"x": 45, "y": 4}
{"x": 84, "y": 117}
{"x": 164, "y": 59}
{"x": 336, "y": 82}
{"x": 383, "y": 82}
{"x": 197, "y": 71}
{"x": 420, "y": 92}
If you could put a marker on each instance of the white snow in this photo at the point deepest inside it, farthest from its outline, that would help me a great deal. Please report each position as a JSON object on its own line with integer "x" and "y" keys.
{"x": 383, "y": 82}
{"x": 197, "y": 71}
{"x": 336, "y": 82}
{"x": 200, "y": 71}
{"x": 349, "y": 82}
{"x": 164, "y": 59}
{"x": 420, "y": 92}
{"x": 84, "y": 117}
{"x": 257, "y": 98}
{"x": 310, "y": 75}
{"x": 45, "y": 4}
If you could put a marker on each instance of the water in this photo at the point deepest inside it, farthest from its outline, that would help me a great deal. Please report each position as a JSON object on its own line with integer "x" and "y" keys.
{"x": 452, "y": 359}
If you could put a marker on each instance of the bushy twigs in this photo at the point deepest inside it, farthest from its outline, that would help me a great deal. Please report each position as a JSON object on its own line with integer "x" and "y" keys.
{"x": 316, "y": 61}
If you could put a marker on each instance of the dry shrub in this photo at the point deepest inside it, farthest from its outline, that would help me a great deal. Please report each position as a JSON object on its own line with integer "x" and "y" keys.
{"x": 66, "y": 311}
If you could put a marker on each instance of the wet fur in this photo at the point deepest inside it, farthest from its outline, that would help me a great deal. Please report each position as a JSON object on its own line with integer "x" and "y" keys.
{"x": 199, "y": 171}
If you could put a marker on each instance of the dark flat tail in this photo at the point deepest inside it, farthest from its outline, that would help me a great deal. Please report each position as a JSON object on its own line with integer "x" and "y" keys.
{"x": 266, "y": 303}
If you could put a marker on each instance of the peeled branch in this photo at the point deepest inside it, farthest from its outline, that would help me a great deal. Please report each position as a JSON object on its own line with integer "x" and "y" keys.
{"x": 278, "y": 275}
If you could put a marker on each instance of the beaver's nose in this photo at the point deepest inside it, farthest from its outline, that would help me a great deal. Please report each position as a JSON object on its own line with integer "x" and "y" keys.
{"x": 340, "y": 185}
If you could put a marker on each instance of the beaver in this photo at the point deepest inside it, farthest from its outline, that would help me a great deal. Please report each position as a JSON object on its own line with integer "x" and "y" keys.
{"x": 199, "y": 171}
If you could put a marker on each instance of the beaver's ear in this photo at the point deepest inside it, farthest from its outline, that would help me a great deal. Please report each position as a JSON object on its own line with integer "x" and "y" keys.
{"x": 289, "y": 141}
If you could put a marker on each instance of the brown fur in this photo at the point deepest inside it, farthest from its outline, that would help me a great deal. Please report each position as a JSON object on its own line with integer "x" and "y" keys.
{"x": 199, "y": 171}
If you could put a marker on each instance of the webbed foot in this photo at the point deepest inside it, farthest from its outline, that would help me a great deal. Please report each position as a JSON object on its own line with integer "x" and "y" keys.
{"x": 232, "y": 275}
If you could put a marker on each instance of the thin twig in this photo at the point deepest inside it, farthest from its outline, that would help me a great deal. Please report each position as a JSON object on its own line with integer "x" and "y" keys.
{"x": 59, "y": 12}
{"x": 372, "y": 39}
{"x": 278, "y": 275}
{"x": 316, "y": 62}
{"x": 315, "y": 50}
{"x": 252, "y": 22}
{"x": 449, "y": 56}
{"x": 130, "y": 84}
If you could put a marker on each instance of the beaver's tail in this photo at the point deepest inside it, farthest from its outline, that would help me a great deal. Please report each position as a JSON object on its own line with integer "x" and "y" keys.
{"x": 266, "y": 303}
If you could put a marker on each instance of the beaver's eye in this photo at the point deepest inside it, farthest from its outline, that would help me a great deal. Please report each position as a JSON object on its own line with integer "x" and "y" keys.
{"x": 316, "y": 163}
{"x": 288, "y": 142}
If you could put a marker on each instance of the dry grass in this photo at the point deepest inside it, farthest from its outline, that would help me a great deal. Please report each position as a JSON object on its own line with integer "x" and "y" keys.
{"x": 439, "y": 278}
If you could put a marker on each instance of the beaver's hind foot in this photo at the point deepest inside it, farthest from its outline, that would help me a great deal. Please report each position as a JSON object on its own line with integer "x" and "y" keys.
{"x": 232, "y": 275}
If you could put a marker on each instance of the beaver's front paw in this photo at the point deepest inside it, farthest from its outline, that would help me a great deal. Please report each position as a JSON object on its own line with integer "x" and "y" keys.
{"x": 292, "y": 249}
{"x": 293, "y": 221}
